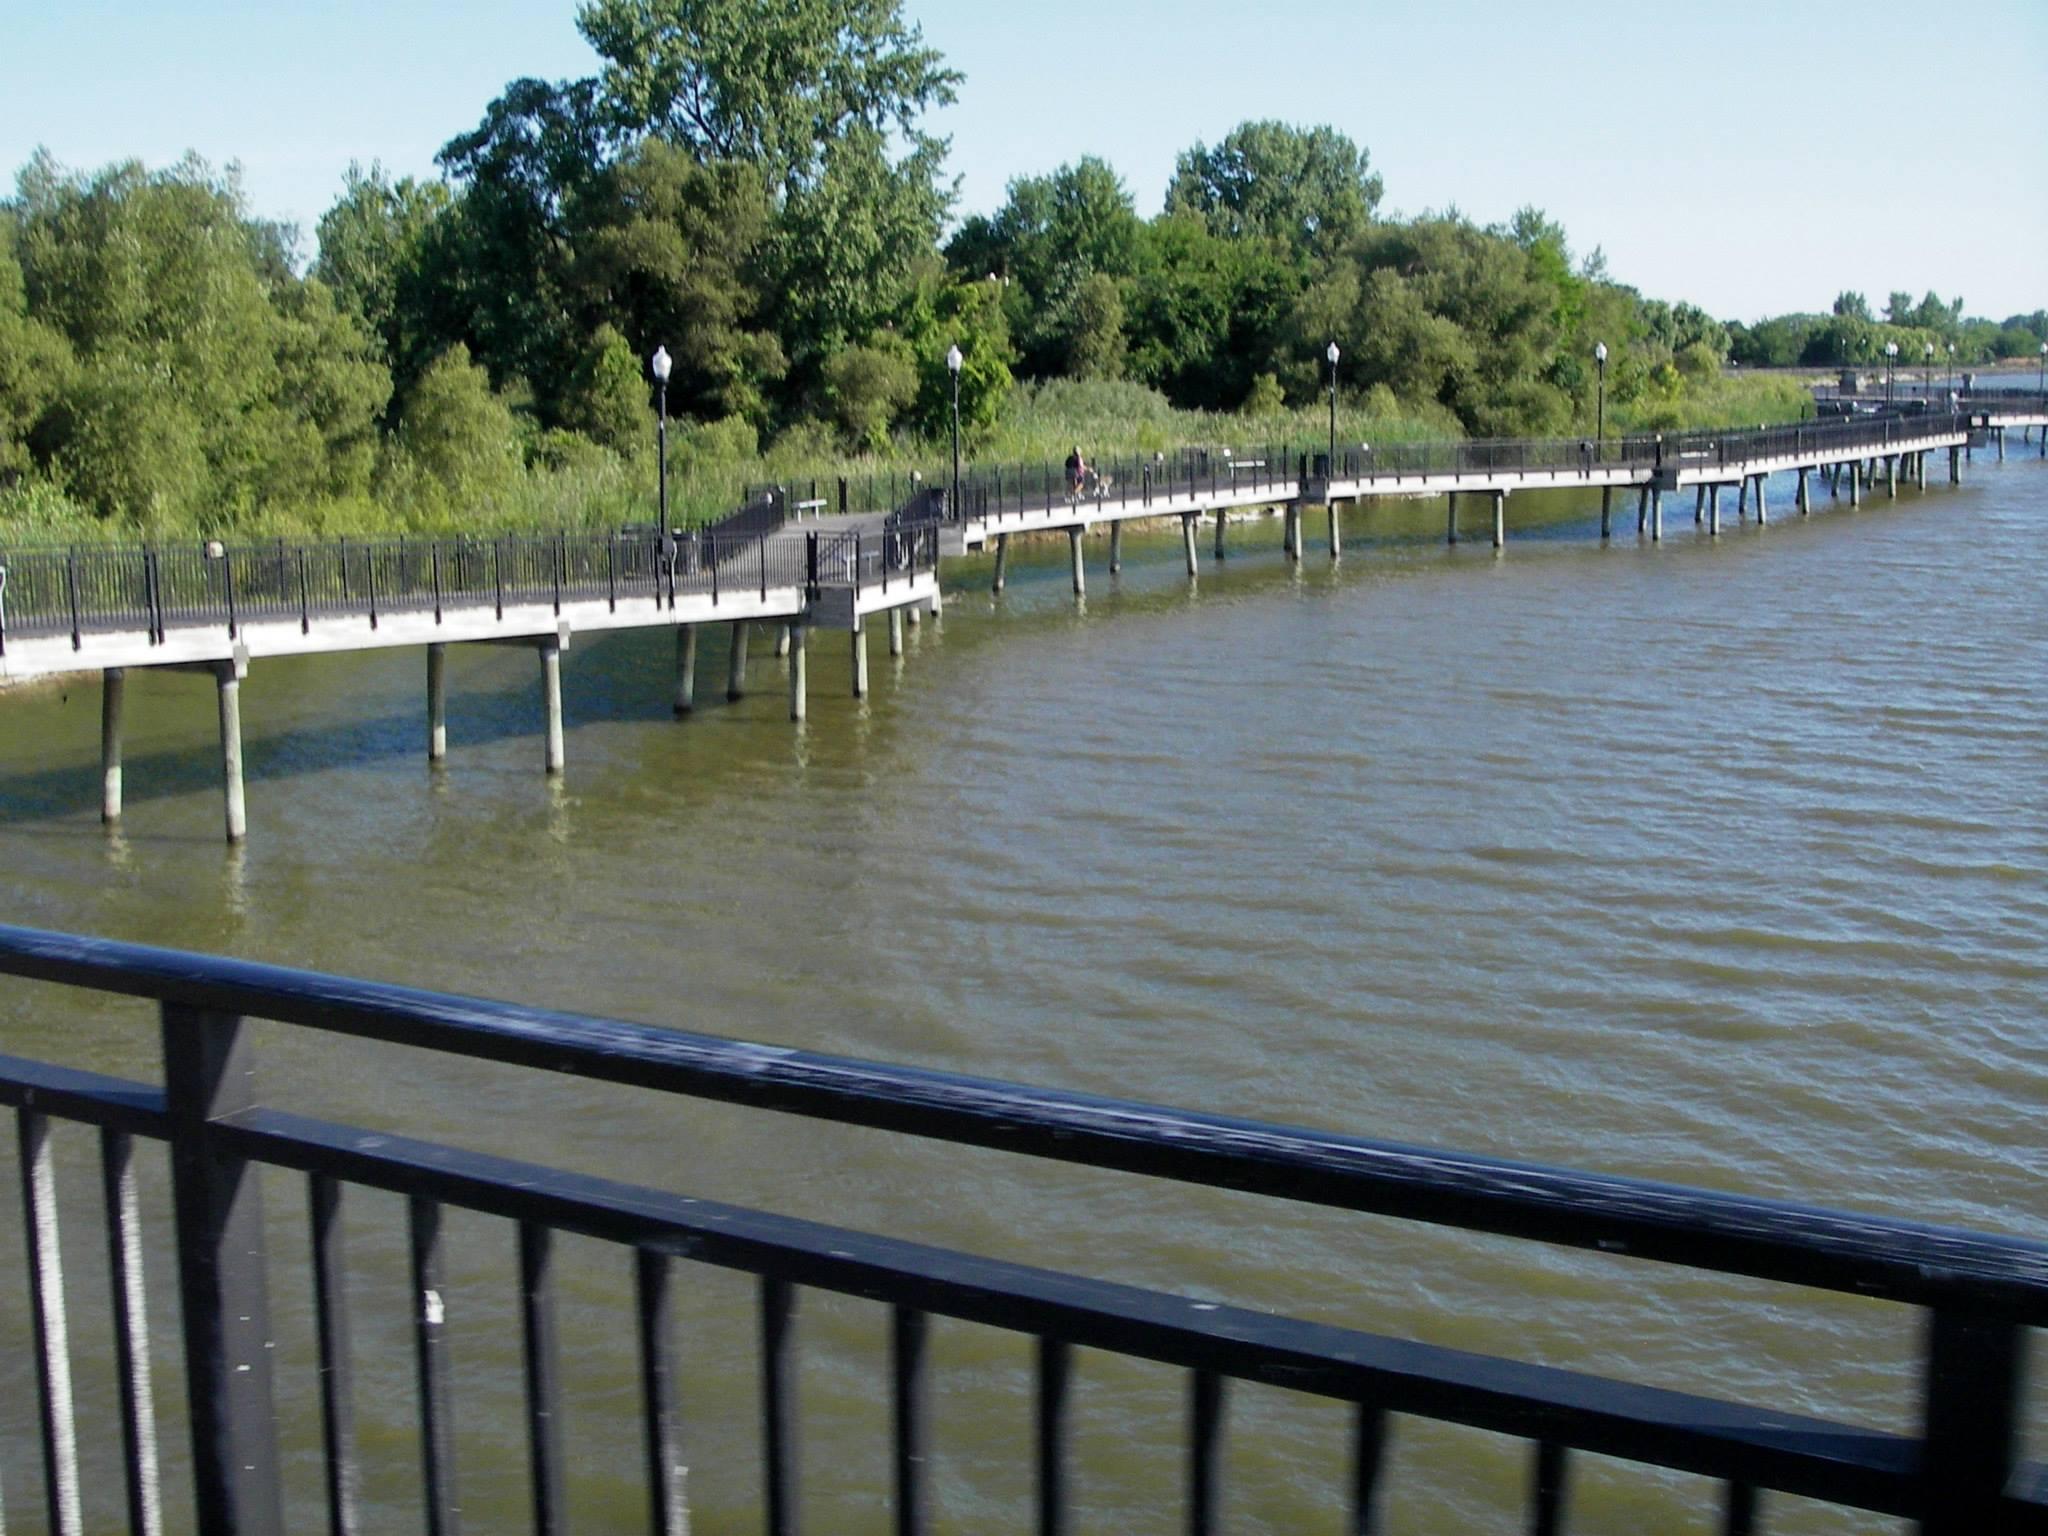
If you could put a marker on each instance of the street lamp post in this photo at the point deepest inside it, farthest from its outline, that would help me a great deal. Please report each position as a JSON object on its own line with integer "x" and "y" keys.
{"x": 661, "y": 364}
{"x": 1600, "y": 410}
{"x": 2041, "y": 383}
{"x": 1927, "y": 376}
{"x": 1951, "y": 375}
{"x": 1891, "y": 358}
{"x": 1333, "y": 354}
{"x": 953, "y": 362}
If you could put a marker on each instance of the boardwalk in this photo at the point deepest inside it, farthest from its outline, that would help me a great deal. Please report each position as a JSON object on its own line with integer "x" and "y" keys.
{"x": 219, "y": 608}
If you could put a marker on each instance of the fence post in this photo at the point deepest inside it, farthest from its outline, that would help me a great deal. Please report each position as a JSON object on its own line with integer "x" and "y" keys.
{"x": 227, "y": 586}
{"x": 1969, "y": 1432}
{"x": 71, "y": 585}
{"x": 218, "y": 1204}
{"x": 305, "y": 604}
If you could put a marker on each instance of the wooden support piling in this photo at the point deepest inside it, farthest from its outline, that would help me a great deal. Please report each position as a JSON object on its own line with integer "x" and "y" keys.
{"x": 228, "y": 685}
{"x": 1116, "y": 546}
{"x": 686, "y": 668}
{"x": 437, "y": 702}
{"x": 551, "y": 700}
{"x": 1074, "y": 551}
{"x": 799, "y": 701}
{"x": 736, "y": 663}
{"x": 1002, "y": 561}
{"x": 860, "y": 660}
{"x": 113, "y": 690}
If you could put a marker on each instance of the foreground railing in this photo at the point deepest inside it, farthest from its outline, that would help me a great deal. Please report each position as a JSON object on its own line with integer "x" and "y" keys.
{"x": 1956, "y": 1477}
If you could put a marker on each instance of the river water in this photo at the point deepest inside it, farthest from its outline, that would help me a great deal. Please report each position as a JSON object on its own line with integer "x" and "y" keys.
{"x": 1723, "y": 862}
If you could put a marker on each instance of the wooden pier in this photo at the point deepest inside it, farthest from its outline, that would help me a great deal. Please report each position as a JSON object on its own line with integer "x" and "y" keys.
{"x": 219, "y": 609}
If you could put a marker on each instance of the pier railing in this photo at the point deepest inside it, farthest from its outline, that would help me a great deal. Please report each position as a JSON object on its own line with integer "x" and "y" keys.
{"x": 1957, "y": 1475}
{"x": 159, "y": 588}
{"x": 993, "y": 494}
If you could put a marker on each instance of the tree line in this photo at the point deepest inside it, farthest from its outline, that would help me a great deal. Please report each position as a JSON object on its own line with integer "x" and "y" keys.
{"x": 1850, "y": 334}
{"x": 754, "y": 188}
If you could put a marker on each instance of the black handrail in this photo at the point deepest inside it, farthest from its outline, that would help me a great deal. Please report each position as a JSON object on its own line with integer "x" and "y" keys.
{"x": 1953, "y": 1476}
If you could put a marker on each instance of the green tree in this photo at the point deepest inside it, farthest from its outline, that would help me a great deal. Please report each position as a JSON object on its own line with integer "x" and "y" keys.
{"x": 210, "y": 380}
{"x": 669, "y": 252}
{"x": 1051, "y": 235}
{"x": 1095, "y": 341}
{"x": 775, "y": 86}
{"x": 869, "y": 387}
{"x": 373, "y": 242}
{"x": 35, "y": 362}
{"x": 1852, "y": 306}
{"x": 847, "y": 246}
{"x": 1309, "y": 188}
{"x": 609, "y": 399}
{"x": 458, "y": 434}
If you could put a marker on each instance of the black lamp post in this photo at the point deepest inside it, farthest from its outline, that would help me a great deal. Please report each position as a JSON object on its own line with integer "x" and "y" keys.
{"x": 1891, "y": 358}
{"x": 1333, "y": 354}
{"x": 1600, "y": 410}
{"x": 953, "y": 362}
{"x": 1951, "y": 374}
{"x": 661, "y": 364}
{"x": 2041, "y": 384}
{"x": 1927, "y": 376}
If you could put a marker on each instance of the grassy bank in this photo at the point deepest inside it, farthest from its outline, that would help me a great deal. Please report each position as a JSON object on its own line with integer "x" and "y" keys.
{"x": 711, "y": 467}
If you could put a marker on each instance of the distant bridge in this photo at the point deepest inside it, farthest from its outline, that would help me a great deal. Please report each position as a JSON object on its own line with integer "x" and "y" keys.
{"x": 783, "y": 559}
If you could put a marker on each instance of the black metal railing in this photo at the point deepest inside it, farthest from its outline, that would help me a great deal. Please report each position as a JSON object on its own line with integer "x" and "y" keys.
{"x": 865, "y": 560}
{"x": 93, "y": 590}
{"x": 994, "y": 494}
{"x": 1957, "y": 1476}
{"x": 96, "y": 589}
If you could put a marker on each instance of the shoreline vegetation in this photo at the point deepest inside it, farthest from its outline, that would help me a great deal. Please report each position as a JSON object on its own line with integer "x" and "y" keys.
{"x": 750, "y": 188}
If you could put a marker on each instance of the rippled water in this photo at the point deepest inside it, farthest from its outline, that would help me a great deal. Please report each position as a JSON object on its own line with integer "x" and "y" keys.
{"x": 1724, "y": 862}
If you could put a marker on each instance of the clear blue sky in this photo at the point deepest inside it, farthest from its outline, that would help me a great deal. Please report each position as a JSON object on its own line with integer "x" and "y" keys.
{"x": 1754, "y": 157}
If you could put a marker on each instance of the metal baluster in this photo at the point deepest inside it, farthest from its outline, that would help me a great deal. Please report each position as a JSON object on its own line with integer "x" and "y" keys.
{"x": 131, "y": 1334}
{"x": 1368, "y": 1452}
{"x": 1548, "y": 1518}
{"x": 907, "y": 1357}
{"x": 430, "y": 1350}
{"x": 46, "y": 1312}
{"x": 370, "y": 579}
{"x": 778, "y": 1473}
{"x": 305, "y": 606}
{"x": 1738, "y": 1511}
{"x": 1206, "y": 1440}
{"x": 668, "y": 1512}
{"x": 543, "y": 1376}
{"x": 209, "y": 1075}
{"x": 1055, "y": 1364}
{"x": 337, "y": 1363}
{"x": 1971, "y": 1420}
{"x": 435, "y": 549}
{"x": 71, "y": 585}
{"x": 227, "y": 584}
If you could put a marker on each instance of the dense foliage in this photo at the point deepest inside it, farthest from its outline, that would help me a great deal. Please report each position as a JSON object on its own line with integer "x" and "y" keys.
{"x": 752, "y": 188}
{"x": 1850, "y": 334}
